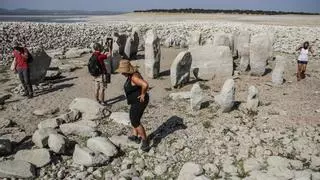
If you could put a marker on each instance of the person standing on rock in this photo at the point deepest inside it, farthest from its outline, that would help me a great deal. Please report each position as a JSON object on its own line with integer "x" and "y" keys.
{"x": 137, "y": 97}
{"x": 99, "y": 71}
{"x": 21, "y": 66}
{"x": 303, "y": 59}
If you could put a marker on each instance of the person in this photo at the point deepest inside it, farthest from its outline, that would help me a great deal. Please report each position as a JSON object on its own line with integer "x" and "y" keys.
{"x": 101, "y": 81}
{"x": 135, "y": 89}
{"x": 21, "y": 66}
{"x": 303, "y": 59}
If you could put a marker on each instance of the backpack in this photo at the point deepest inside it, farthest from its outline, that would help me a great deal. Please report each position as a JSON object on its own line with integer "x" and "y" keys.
{"x": 94, "y": 66}
{"x": 30, "y": 58}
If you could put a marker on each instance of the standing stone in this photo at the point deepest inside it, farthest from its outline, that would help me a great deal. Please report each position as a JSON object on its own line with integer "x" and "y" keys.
{"x": 58, "y": 143}
{"x": 190, "y": 171}
{"x": 5, "y": 147}
{"x": 196, "y": 97}
{"x": 116, "y": 49}
{"x": 39, "y": 66}
{"x": 85, "y": 156}
{"x": 38, "y": 157}
{"x": 277, "y": 73}
{"x": 102, "y": 145}
{"x": 195, "y": 39}
{"x": 243, "y": 48}
{"x": 226, "y": 97}
{"x": 127, "y": 49}
{"x": 222, "y": 39}
{"x": 252, "y": 99}
{"x": 135, "y": 43}
{"x": 17, "y": 169}
{"x": 260, "y": 52}
{"x": 210, "y": 61}
{"x": 152, "y": 54}
{"x": 180, "y": 69}
{"x": 40, "y": 137}
{"x": 90, "y": 109}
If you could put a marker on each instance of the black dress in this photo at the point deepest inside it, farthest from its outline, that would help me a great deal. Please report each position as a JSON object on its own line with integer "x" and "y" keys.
{"x": 137, "y": 108}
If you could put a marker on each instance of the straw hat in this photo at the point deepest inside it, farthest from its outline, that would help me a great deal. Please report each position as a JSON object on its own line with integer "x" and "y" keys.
{"x": 126, "y": 67}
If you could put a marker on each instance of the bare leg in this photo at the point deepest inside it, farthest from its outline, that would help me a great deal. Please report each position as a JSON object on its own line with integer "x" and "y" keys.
{"x": 97, "y": 89}
{"x": 134, "y": 132}
{"x": 303, "y": 70}
{"x": 102, "y": 94}
{"x": 299, "y": 72}
{"x": 141, "y": 131}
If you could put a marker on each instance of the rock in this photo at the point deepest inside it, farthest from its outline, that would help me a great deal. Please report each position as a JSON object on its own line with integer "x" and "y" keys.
{"x": 53, "y": 74}
{"x": 180, "y": 69}
{"x": 117, "y": 49}
{"x": 3, "y": 97}
{"x": 147, "y": 175}
{"x": 85, "y": 156}
{"x": 123, "y": 142}
{"x": 277, "y": 73}
{"x": 136, "y": 41}
{"x": 58, "y": 143}
{"x": 41, "y": 136}
{"x": 260, "y": 52}
{"x": 190, "y": 171}
{"x": 201, "y": 178}
{"x": 102, "y": 145}
{"x": 39, "y": 66}
{"x": 161, "y": 169}
{"x": 251, "y": 164}
{"x": 128, "y": 173}
{"x": 315, "y": 163}
{"x": 5, "y": 147}
{"x": 180, "y": 95}
{"x": 92, "y": 124}
{"x": 50, "y": 123}
{"x": 197, "y": 98}
{"x": 226, "y": 97}
{"x": 277, "y": 161}
{"x": 210, "y": 61}
{"x": 90, "y": 109}
{"x": 243, "y": 48}
{"x": 97, "y": 173}
{"x": 71, "y": 116}
{"x": 4, "y": 123}
{"x": 127, "y": 49}
{"x": 16, "y": 169}
{"x": 76, "y": 52}
{"x": 222, "y": 39}
{"x": 37, "y": 157}
{"x": 61, "y": 174}
{"x": 195, "y": 39}
{"x": 78, "y": 129}
{"x": 252, "y": 99}
{"x": 121, "y": 118}
{"x": 15, "y": 137}
{"x": 152, "y": 54}
{"x": 211, "y": 168}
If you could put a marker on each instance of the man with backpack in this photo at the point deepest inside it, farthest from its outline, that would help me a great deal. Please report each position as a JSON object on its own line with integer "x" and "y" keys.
{"x": 99, "y": 71}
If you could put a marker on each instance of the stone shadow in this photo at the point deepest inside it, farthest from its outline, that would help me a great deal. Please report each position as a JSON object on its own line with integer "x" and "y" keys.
{"x": 173, "y": 124}
{"x": 54, "y": 88}
{"x": 115, "y": 99}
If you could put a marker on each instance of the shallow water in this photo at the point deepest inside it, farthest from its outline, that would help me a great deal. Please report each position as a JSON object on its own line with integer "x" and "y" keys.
{"x": 48, "y": 19}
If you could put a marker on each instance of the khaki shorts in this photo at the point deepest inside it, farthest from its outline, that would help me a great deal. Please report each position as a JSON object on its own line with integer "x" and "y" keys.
{"x": 100, "y": 83}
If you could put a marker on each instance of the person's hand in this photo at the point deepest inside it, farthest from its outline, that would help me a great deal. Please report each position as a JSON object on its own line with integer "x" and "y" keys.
{"x": 141, "y": 98}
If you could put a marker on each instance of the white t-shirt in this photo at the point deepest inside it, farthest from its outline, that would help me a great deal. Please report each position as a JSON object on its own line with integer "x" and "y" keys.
{"x": 303, "y": 55}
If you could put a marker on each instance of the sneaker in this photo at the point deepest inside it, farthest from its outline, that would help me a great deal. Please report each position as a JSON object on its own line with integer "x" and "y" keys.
{"x": 135, "y": 139}
{"x": 145, "y": 146}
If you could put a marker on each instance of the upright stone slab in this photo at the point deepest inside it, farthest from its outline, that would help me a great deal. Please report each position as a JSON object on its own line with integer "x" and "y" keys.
{"x": 211, "y": 61}
{"x": 260, "y": 52}
{"x": 116, "y": 48}
{"x": 136, "y": 40}
{"x": 277, "y": 73}
{"x": 39, "y": 66}
{"x": 195, "y": 39}
{"x": 252, "y": 99}
{"x": 243, "y": 48}
{"x": 222, "y": 39}
{"x": 197, "y": 98}
{"x": 152, "y": 54}
{"x": 226, "y": 97}
{"x": 180, "y": 69}
{"x": 127, "y": 49}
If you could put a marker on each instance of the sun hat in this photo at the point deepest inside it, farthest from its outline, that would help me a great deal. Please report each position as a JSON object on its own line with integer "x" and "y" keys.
{"x": 126, "y": 67}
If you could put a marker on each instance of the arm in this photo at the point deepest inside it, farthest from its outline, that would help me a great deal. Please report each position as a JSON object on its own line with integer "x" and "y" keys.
{"x": 312, "y": 51}
{"x": 138, "y": 81}
{"x": 299, "y": 48}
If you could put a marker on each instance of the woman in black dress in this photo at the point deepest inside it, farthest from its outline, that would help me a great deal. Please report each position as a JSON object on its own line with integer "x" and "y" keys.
{"x": 135, "y": 88}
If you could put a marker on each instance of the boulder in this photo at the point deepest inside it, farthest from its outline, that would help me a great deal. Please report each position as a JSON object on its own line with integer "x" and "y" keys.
{"x": 76, "y": 52}
{"x": 195, "y": 39}
{"x": 16, "y": 169}
{"x": 136, "y": 41}
{"x": 46, "y": 111}
{"x": 180, "y": 69}
{"x": 243, "y": 48}
{"x": 190, "y": 171}
{"x": 58, "y": 143}
{"x": 226, "y": 97}
{"x": 277, "y": 73}
{"x": 4, "y": 123}
{"x": 41, "y": 136}
{"x": 78, "y": 129}
{"x": 252, "y": 99}
{"x": 123, "y": 142}
{"x": 152, "y": 54}
{"x": 39, "y": 66}
{"x": 15, "y": 137}
{"x": 180, "y": 95}
{"x": 5, "y": 147}
{"x": 197, "y": 97}
{"x": 70, "y": 116}
{"x": 121, "y": 118}
{"x": 90, "y": 109}
{"x": 260, "y": 51}
{"x": 37, "y": 157}
{"x": 50, "y": 123}
{"x": 210, "y": 61}
{"x": 127, "y": 49}
{"x": 85, "y": 156}
{"x": 102, "y": 145}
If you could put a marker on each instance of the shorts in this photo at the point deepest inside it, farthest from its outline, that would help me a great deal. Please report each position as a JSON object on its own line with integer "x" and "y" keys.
{"x": 136, "y": 112}
{"x": 101, "y": 82}
{"x": 302, "y": 62}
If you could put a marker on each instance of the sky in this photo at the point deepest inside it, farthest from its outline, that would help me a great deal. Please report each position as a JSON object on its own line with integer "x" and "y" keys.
{"x": 130, "y": 5}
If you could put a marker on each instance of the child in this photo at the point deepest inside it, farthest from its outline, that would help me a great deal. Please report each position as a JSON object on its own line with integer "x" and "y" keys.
{"x": 303, "y": 59}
